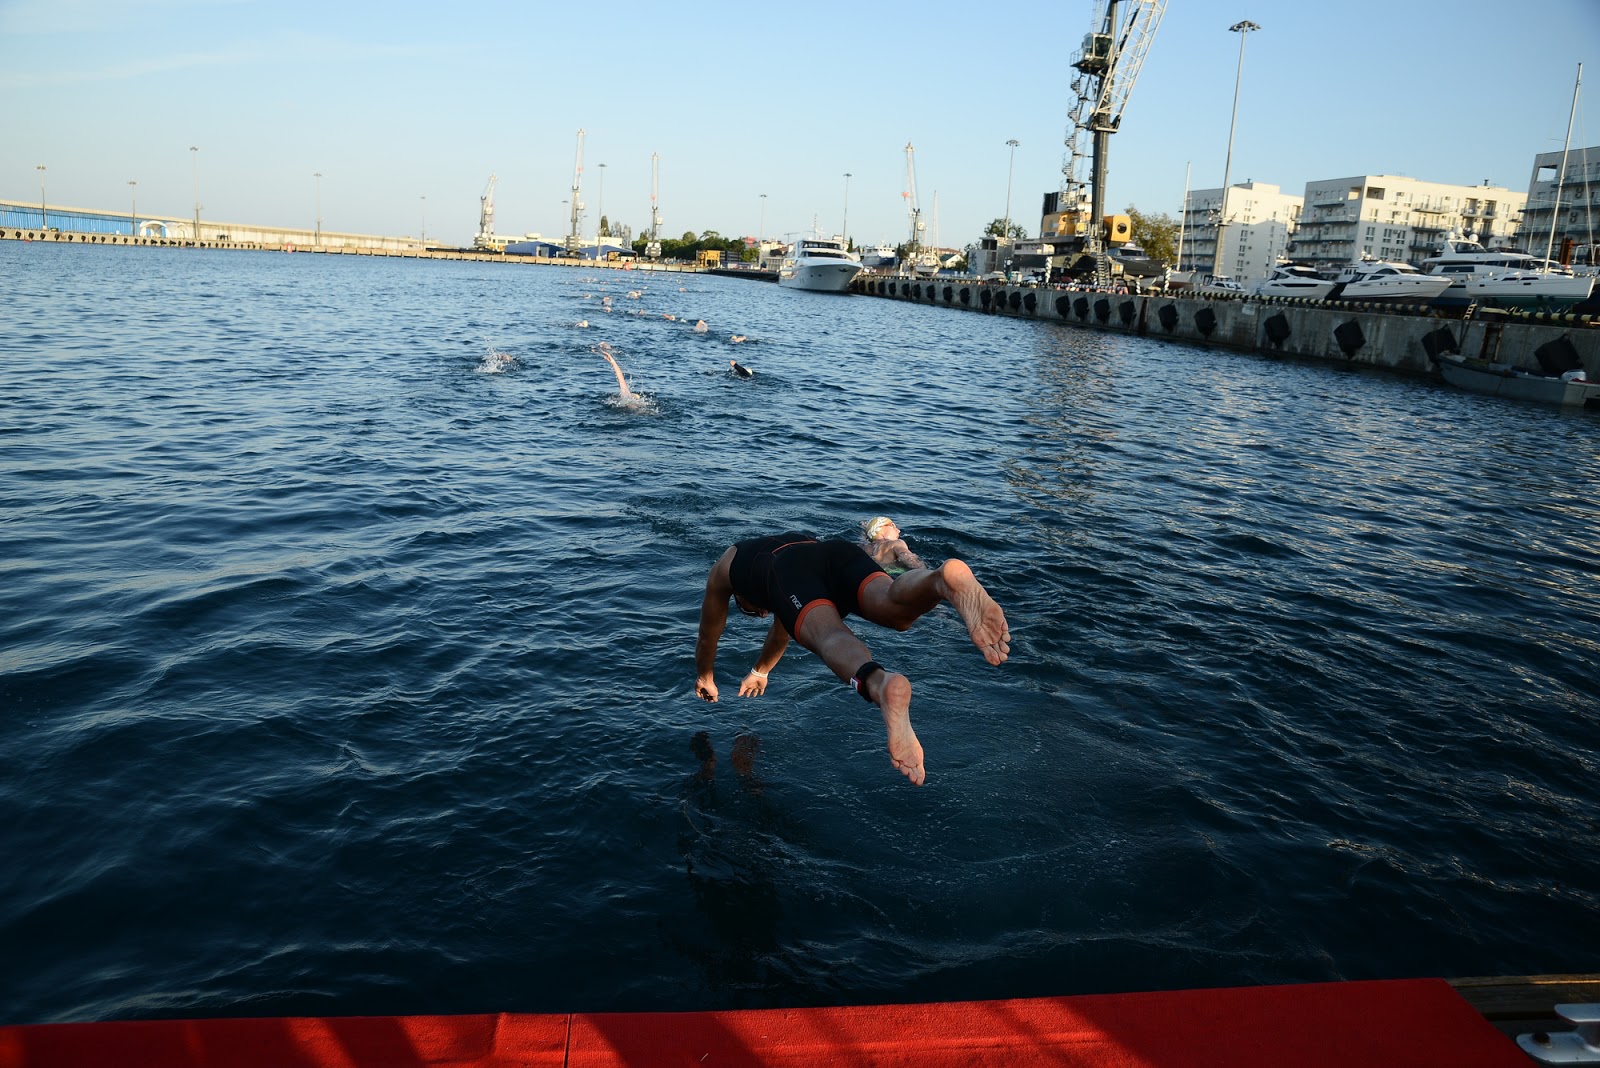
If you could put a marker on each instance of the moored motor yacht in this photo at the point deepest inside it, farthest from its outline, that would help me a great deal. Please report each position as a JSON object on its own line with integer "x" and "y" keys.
{"x": 1293, "y": 280}
{"x": 1506, "y": 276}
{"x": 879, "y": 256}
{"x": 820, "y": 264}
{"x": 1219, "y": 285}
{"x": 1532, "y": 289}
{"x": 1383, "y": 280}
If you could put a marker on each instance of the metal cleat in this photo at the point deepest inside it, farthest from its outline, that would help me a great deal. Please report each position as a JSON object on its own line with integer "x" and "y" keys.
{"x": 1581, "y": 1046}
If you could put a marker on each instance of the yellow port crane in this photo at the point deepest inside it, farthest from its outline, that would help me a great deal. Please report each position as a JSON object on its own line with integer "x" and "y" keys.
{"x": 1114, "y": 49}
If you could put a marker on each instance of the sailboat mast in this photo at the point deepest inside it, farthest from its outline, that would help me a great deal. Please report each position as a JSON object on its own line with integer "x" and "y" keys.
{"x": 1561, "y": 175}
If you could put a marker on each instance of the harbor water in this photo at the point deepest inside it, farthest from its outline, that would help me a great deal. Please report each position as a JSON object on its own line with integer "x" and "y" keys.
{"x": 347, "y": 624}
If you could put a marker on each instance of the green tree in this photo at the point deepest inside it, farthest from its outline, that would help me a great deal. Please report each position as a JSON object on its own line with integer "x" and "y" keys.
{"x": 1156, "y": 233}
{"x": 998, "y": 229}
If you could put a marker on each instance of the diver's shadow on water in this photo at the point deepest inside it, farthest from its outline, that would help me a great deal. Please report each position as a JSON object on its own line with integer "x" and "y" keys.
{"x": 730, "y": 858}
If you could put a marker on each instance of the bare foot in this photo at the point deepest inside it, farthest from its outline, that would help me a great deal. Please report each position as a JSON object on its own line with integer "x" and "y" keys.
{"x": 905, "y": 752}
{"x": 986, "y": 623}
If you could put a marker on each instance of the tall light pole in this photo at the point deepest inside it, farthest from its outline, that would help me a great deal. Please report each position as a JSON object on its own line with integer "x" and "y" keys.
{"x": 1011, "y": 169}
{"x": 763, "y": 218}
{"x": 43, "y": 225}
{"x": 845, "y": 233}
{"x": 1243, "y": 30}
{"x": 599, "y": 210}
{"x": 133, "y": 218}
{"x": 424, "y": 220}
{"x": 194, "y": 156}
{"x": 318, "y": 177}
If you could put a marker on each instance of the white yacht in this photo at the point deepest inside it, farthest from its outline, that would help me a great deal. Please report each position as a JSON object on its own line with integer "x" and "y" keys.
{"x": 820, "y": 264}
{"x": 1506, "y": 276}
{"x": 1387, "y": 281}
{"x": 1218, "y": 285}
{"x": 881, "y": 256}
{"x": 1293, "y": 280}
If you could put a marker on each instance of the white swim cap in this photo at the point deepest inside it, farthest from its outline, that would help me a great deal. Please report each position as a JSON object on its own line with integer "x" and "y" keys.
{"x": 875, "y": 526}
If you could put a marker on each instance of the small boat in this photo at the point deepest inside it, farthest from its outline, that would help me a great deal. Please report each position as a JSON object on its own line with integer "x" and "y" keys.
{"x": 819, "y": 264}
{"x": 1569, "y": 390}
{"x": 1136, "y": 263}
{"x": 1218, "y": 285}
{"x": 1383, "y": 280}
{"x": 1293, "y": 280}
{"x": 1505, "y": 276}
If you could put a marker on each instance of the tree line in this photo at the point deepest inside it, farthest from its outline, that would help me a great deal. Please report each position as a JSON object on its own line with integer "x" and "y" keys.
{"x": 1155, "y": 232}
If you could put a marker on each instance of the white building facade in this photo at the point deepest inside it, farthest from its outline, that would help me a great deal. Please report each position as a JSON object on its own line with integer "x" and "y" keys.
{"x": 1392, "y": 217}
{"x": 1257, "y": 220}
{"x": 1572, "y": 238}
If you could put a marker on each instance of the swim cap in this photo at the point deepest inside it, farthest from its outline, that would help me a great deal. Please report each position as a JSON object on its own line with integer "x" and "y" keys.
{"x": 875, "y": 526}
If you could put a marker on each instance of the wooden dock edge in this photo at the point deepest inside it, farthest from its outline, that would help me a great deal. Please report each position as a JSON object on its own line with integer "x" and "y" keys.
{"x": 1522, "y": 1004}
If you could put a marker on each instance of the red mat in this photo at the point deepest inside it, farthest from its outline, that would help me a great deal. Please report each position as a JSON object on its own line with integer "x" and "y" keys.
{"x": 1323, "y": 1025}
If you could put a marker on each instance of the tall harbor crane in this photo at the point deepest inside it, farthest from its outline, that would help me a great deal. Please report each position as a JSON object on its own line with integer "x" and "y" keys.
{"x": 1119, "y": 36}
{"x": 653, "y": 247}
{"x": 485, "y": 237}
{"x": 913, "y": 212}
{"x": 577, "y": 205}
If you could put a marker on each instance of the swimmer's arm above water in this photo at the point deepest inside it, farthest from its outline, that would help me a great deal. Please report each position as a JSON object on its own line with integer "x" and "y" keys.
{"x": 713, "y": 618}
{"x": 755, "y": 683}
{"x": 905, "y": 557}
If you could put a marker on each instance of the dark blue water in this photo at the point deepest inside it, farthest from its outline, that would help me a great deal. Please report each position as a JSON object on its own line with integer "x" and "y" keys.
{"x": 347, "y": 621}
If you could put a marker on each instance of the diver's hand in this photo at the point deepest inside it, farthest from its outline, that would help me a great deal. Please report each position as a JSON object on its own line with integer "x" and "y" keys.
{"x": 705, "y": 688}
{"x": 754, "y": 685}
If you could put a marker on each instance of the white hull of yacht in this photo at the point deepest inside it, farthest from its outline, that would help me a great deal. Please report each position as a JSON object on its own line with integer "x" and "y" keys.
{"x": 1305, "y": 290}
{"x": 1531, "y": 289}
{"x": 822, "y": 276}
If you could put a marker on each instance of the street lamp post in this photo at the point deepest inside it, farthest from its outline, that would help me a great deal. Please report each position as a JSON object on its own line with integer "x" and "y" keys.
{"x": 599, "y": 211}
{"x": 1243, "y": 30}
{"x": 318, "y": 177}
{"x": 43, "y": 222}
{"x": 1011, "y": 169}
{"x": 133, "y": 217}
{"x": 194, "y": 156}
{"x": 424, "y": 222}
{"x": 846, "y": 231}
{"x": 763, "y": 233}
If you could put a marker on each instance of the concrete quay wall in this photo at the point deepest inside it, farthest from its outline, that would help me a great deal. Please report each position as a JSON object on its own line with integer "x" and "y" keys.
{"x": 381, "y": 252}
{"x": 1396, "y": 338}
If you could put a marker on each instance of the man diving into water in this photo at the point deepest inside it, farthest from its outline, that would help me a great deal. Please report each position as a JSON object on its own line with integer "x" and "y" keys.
{"x": 809, "y": 586}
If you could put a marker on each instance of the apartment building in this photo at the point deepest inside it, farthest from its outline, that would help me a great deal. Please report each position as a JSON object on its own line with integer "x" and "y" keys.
{"x": 1257, "y": 220}
{"x": 1572, "y": 239}
{"x": 1392, "y": 217}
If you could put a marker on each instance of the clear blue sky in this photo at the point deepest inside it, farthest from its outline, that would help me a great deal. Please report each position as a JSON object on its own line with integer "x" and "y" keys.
{"x": 396, "y": 102}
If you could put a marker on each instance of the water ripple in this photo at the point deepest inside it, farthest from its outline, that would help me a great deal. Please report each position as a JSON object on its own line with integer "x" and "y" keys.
{"x": 346, "y": 629}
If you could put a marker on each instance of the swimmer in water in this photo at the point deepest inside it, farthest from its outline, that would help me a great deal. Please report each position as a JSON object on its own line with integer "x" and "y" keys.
{"x": 888, "y": 548}
{"x": 740, "y": 370}
{"x": 701, "y": 327}
{"x": 809, "y": 586}
{"x": 622, "y": 383}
